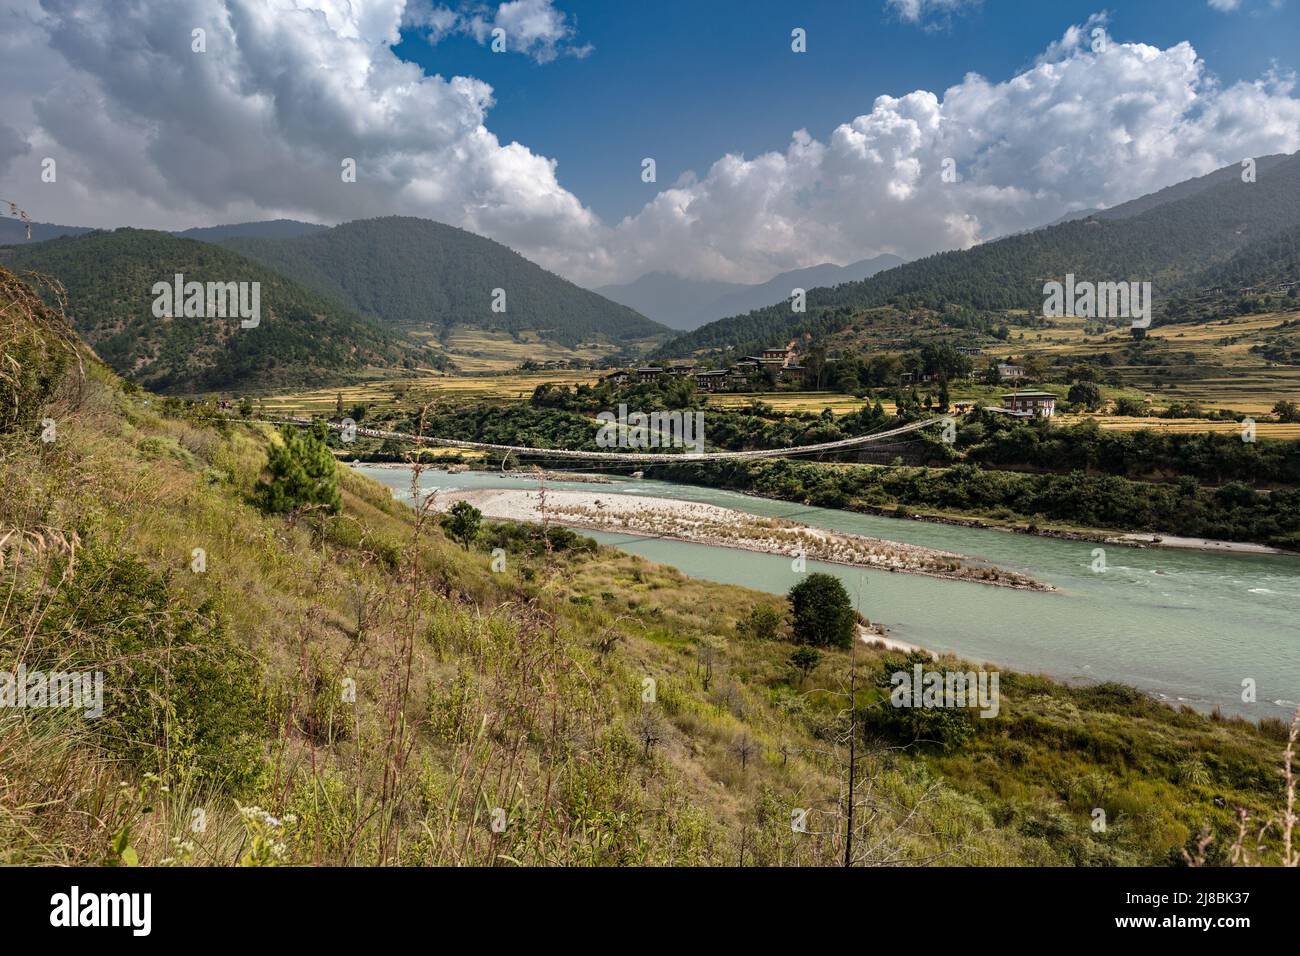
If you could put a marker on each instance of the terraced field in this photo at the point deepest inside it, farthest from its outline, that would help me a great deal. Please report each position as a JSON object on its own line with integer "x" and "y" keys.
{"x": 475, "y": 350}
{"x": 517, "y": 386}
{"x": 837, "y": 402}
{"x": 1224, "y": 373}
{"x": 1124, "y": 424}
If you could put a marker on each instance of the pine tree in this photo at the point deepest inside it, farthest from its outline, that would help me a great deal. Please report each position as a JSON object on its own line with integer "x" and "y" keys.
{"x": 303, "y": 474}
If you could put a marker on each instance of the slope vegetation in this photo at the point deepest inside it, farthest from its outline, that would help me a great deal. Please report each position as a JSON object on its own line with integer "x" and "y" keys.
{"x": 345, "y": 685}
{"x": 302, "y": 338}
{"x": 418, "y": 274}
{"x": 1169, "y": 245}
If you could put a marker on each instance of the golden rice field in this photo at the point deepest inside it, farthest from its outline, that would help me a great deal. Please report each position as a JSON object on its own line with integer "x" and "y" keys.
{"x": 838, "y": 403}
{"x": 517, "y": 386}
{"x": 476, "y": 350}
{"x": 1226, "y": 374}
{"x": 1121, "y": 423}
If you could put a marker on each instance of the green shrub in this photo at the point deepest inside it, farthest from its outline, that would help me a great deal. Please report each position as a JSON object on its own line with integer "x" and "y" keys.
{"x": 763, "y": 623}
{"x": 303, "y": 474}
{"x": 821, "y": 611}
{"x": 461, "y": 522}
{"x": 175, "y": 684}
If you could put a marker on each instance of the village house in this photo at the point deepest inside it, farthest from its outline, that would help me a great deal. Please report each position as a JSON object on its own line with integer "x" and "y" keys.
{"x": 1006, "y": 373}
{"x": 712, "y": 380}
{"x": 1030, "y": 404}
{"x": 618, "y": 377}
{"x": 648, "y": 373}
{"x": 740, "y": 375}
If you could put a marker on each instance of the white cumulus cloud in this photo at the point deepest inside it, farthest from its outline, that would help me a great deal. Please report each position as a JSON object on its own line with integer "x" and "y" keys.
{"x": 931, "y": 13}
{"x": 532, "y": 27}
{"x": 147, "y": 132}
{"x": 1079, "y": 129}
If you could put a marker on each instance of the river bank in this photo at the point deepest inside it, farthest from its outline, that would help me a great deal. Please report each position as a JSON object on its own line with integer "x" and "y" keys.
{"x": 1182, "y": 624}
{"x": 1128, "y": 539}
{"x": 728, "y": 528}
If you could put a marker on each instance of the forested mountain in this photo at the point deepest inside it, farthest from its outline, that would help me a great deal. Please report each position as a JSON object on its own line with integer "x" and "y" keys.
{"x": 267, "y": 229}
{"x": 683, "y": 303}
{"x": 1170, "y": 245}
{"x": 1189, "y": 187}
{"x": 418, "y": 274}
{"x": 302, "y": 338}
{"x": 1269, "y": 261}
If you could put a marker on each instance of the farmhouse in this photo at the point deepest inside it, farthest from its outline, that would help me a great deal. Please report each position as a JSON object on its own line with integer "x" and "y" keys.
{"x": 1030, "y": 404}
{"x": 711, "y": 380}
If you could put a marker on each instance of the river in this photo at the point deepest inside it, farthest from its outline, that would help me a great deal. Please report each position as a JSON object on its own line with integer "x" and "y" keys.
{"x": 1186, "y": 626}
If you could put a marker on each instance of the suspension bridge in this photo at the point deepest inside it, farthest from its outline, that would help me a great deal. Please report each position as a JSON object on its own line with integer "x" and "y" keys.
{"x": 626, "y": 458}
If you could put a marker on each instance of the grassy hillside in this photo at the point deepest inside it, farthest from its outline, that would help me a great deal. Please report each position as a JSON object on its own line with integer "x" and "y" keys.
{"x": 418, "y": 274}
{"x": 302, "y": 339}
{"x": 1167, "y": 245}
{"x": 231, "y": 732}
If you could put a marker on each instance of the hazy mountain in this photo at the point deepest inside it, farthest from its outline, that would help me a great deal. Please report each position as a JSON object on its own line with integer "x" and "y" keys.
{"x": 676, "y": 301}
{"x": 683, "y": 303}
{"x": 13, "y": 230}
{"x": 302, "y": 338}
{"x": 267, "y": 229}
{"x": 422, "y": 275}
{"x": 1167, "y": 238}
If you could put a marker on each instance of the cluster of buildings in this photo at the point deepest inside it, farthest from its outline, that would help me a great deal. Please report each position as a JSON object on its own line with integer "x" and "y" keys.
{"x": 783, "y": 364}
{"x": 739, "y": 377}
{"x": 1009, "y": 374}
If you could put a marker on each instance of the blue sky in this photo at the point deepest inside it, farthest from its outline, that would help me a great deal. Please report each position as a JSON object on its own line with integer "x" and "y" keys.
{"x": 686, "y": 81}
{"x": 832, "y": 155}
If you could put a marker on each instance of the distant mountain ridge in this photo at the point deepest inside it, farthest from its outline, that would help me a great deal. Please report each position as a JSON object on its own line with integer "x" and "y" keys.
{"x": 265, "y": 229}
{"x": 13, "y": 231}
{"x": 1169, "y": 238}
{"x": 683, "y": 303}
{"x": 416, "y": 274}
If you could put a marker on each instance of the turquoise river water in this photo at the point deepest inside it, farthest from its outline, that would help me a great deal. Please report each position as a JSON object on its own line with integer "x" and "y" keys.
{"x": 1186, "y": 626}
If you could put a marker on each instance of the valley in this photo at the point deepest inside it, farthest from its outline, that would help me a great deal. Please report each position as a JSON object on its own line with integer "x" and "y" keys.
{"x": 1126, "y": 562}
